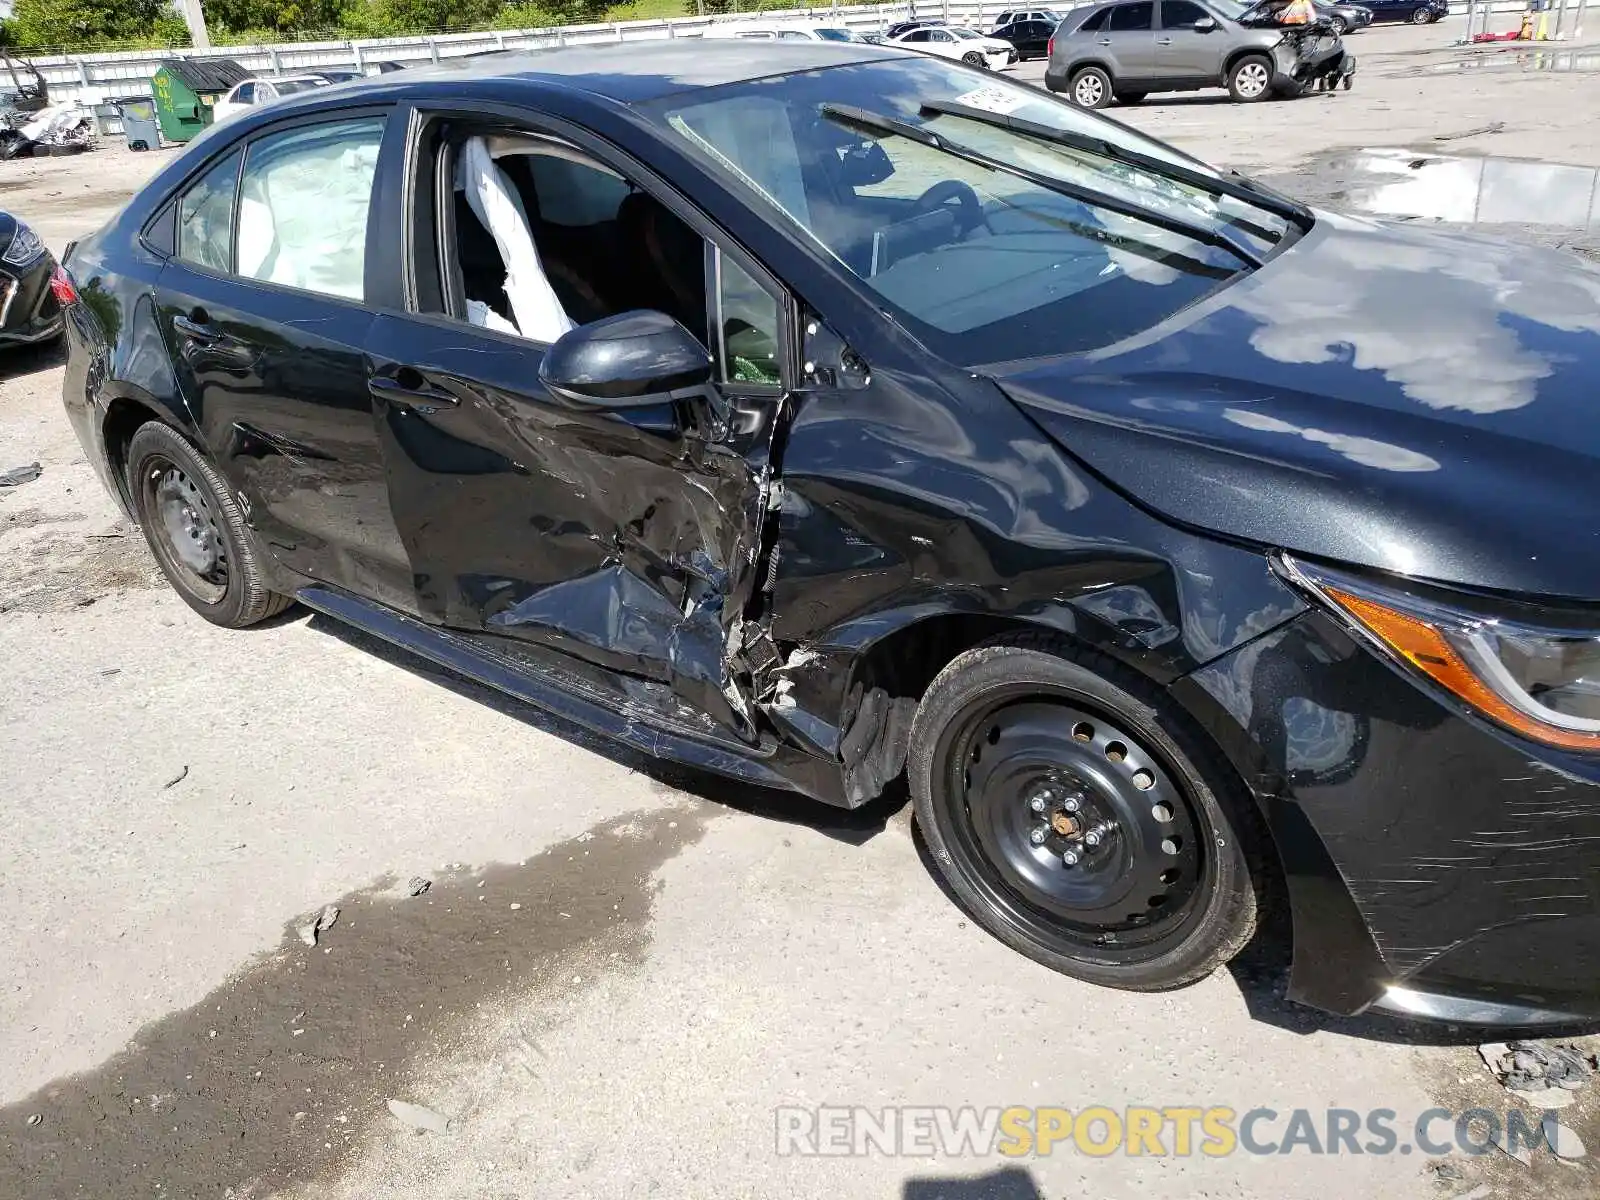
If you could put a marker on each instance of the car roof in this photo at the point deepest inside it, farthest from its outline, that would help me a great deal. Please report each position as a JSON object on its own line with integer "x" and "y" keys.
{"x": 635, "y": 72}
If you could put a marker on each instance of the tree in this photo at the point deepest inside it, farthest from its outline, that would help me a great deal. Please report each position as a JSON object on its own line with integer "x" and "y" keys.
{"x": 82, "y": 22}
{"x": 286, "y": 15}
{"x": 378, "y": 18}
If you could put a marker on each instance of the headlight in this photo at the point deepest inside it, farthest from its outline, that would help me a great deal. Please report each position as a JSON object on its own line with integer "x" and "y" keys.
{"x": 25, "y": 247}
{"x": 1536, "y": 674}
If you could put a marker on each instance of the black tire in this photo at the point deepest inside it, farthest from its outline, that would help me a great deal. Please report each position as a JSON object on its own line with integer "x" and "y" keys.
{"x": 1250, "y": 78}
{"x": 179, "y": 498}
{"x": 1207, "y": 852}
{"x": 1131, "y": 97}
{"x": 1090, "y": 87}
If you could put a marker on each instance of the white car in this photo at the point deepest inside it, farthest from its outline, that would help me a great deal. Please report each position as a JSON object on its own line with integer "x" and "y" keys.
{"x": 956, "y": 41}
{"x": 255, "y": 92}
{"x": 786, "y": 31}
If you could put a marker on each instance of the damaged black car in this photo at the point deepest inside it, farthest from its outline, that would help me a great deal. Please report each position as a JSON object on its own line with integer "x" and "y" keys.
{"x": 832, "y": 416}
{"x": 30, "y": 293}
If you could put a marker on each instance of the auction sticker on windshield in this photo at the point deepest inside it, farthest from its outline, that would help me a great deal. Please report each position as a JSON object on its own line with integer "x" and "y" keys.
{"x": 994, "y": 99}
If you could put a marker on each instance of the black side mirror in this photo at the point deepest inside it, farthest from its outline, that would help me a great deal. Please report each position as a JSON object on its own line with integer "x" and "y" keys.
{"x": 631, "y": 360}
{"x": 1204, "y": 24}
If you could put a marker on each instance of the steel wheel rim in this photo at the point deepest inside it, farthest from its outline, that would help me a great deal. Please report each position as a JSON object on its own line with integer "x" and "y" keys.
{"x": 1138, "y": 886}
{"x": 184, "y": 530}
{"x": 1252, "y": 79}
{"x": 1089, "y": 91}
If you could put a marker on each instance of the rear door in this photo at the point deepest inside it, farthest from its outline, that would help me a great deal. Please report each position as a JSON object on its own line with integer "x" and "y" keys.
{"x": 1129, "y": 38}
{"x": 628, "y": 539}
{"x": 262, "y": 305}
{"x": 1184, "y": 53}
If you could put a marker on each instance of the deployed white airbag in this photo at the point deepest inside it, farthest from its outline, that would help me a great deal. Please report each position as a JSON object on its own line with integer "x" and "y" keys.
{"x": 495, "y": 202}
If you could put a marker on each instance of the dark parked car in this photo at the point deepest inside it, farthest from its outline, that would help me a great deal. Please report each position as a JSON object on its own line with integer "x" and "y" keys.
{"x": 30, "y": 309}
{"x": 1345, "y": 18}
{"x": 1418, "y": 12}
{"x": 900, "y": 27}
{"x": 1030, "y": 39}
{"x": 1014, "y": 16}
{"x": 834, "y": 414}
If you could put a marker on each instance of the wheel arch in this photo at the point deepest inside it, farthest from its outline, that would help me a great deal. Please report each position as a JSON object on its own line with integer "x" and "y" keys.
{"x": 125, "y": 411}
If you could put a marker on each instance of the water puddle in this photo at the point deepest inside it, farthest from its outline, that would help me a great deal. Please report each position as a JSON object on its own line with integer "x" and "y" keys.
{"x": 1521, "y": 60}
{"x": 1465, "y": 189}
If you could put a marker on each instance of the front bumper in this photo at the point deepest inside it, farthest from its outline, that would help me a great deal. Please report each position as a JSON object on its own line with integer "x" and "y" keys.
{"x": 1437, "y": 866}
{"x": 28, "y": 309}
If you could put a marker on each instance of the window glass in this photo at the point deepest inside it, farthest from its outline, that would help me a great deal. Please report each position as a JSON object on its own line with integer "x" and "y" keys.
{"x": 917, "y": 35}
{"x": 979, "y": 262}
{"x": 792, "y": 35}
{"x": 750, "y": 318}
{"x": 1180, "y": 14}
{"x": 1095, "y": 21}
{"x": 205, "y": 217}
{"x": 246, "y": 94}
{"x": 939, "y": 35}
{"x": 291, "y": 86}
{"x": 836, "y": 35}
{"x": 303, "y": 205}
{"x": 1130, "y": 18}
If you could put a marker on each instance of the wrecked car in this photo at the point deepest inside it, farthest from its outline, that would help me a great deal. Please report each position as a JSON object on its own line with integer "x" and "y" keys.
{"x": 30, "y": 286}
{"x": 834, "y": 416}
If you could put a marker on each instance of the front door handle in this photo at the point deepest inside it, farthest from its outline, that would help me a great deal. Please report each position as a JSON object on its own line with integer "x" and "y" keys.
{"x": 1102, "y": 41}
{"x": 1163, "y": 41}
{"x": 407, "y": 388}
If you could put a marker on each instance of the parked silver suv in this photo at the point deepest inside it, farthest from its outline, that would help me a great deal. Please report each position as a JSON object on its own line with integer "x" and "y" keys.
{"x": 1129, "y": 48}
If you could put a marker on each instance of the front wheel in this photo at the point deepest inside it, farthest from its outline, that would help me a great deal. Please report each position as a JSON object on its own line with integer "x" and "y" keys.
{"x": 1338, "y": 26}
{"x": 1090, "y": 88}
{"x": 973, "y": 58}
{"x": 1251, "y": 78}
{"x": 196, "y": 530}
{"x": 1422, "y": 16}
{"x": 1073, "y": 819}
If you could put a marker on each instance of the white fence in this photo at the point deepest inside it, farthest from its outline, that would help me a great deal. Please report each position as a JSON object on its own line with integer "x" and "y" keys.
{"x": 92, "y": 79}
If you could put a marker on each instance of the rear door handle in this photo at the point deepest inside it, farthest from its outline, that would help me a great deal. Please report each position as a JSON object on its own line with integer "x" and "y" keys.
{"x": 407, "y": 388}
{"x": 196, "y": 328}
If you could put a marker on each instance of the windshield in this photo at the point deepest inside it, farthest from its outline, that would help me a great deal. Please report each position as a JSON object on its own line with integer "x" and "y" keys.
{"x": 836, "y": 35}
{"x": 289, "y": 87}
{"x": 996, "y": 244}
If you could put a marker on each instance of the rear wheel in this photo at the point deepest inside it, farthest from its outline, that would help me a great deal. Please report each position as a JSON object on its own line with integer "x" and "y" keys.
{"x": 1090, "y": 88}
{"x": 196, "y": 530}
{"x": 1072, "y": 817}
{"x": 1250, "y": 79}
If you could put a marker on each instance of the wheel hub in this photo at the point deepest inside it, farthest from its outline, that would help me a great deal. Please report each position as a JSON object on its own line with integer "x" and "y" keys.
{"x": 188, "y": 536}
{"x": 1079, "y": 819}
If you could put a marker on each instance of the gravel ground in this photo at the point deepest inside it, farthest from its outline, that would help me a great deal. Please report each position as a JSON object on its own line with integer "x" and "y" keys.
{"x": 619, "y": 971}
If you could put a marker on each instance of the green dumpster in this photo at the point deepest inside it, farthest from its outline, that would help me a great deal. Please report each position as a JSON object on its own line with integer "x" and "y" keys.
{"x": 187, "y": 88}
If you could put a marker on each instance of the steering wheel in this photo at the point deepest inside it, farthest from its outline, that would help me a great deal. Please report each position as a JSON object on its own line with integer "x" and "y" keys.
{"x": 959, "y": 198}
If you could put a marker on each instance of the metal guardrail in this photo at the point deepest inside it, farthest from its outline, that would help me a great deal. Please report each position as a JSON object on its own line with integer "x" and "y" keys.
{"x": 92, "y": 79}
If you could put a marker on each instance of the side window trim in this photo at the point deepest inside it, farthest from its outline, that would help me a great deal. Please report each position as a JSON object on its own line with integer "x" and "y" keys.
{"x": 428, "y": 117}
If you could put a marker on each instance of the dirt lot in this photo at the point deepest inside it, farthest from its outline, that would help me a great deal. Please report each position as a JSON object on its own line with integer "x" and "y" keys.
{"x": 619, "y": 971}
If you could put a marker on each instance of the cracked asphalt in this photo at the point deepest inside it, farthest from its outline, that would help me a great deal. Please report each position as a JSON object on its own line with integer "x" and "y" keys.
{"x": 619, "y": 971}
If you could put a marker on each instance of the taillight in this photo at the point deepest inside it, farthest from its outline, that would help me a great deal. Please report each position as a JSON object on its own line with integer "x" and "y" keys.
{"x": 1050, "y": 47}
{"x": 61, "y": 286}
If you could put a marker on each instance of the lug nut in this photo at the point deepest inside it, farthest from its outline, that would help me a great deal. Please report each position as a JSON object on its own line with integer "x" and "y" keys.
{"x": 1070, "y": 858}
{"x": 1092, "y": 838}
{"x": 1071, "y": 803}
{"x": 1039, "y": 834}
{"x": 1037, "y": 804}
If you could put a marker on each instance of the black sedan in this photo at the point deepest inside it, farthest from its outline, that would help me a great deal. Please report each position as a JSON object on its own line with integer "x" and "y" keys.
{"x": 848, "y": 415}
{"x": 1030, "y": 39}
{"x": 30, "y": 309}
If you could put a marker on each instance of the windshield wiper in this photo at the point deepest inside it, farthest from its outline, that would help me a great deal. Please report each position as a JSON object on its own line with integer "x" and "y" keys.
{"x": 860, "y": 117}
{"x": 1239, "y": 188}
